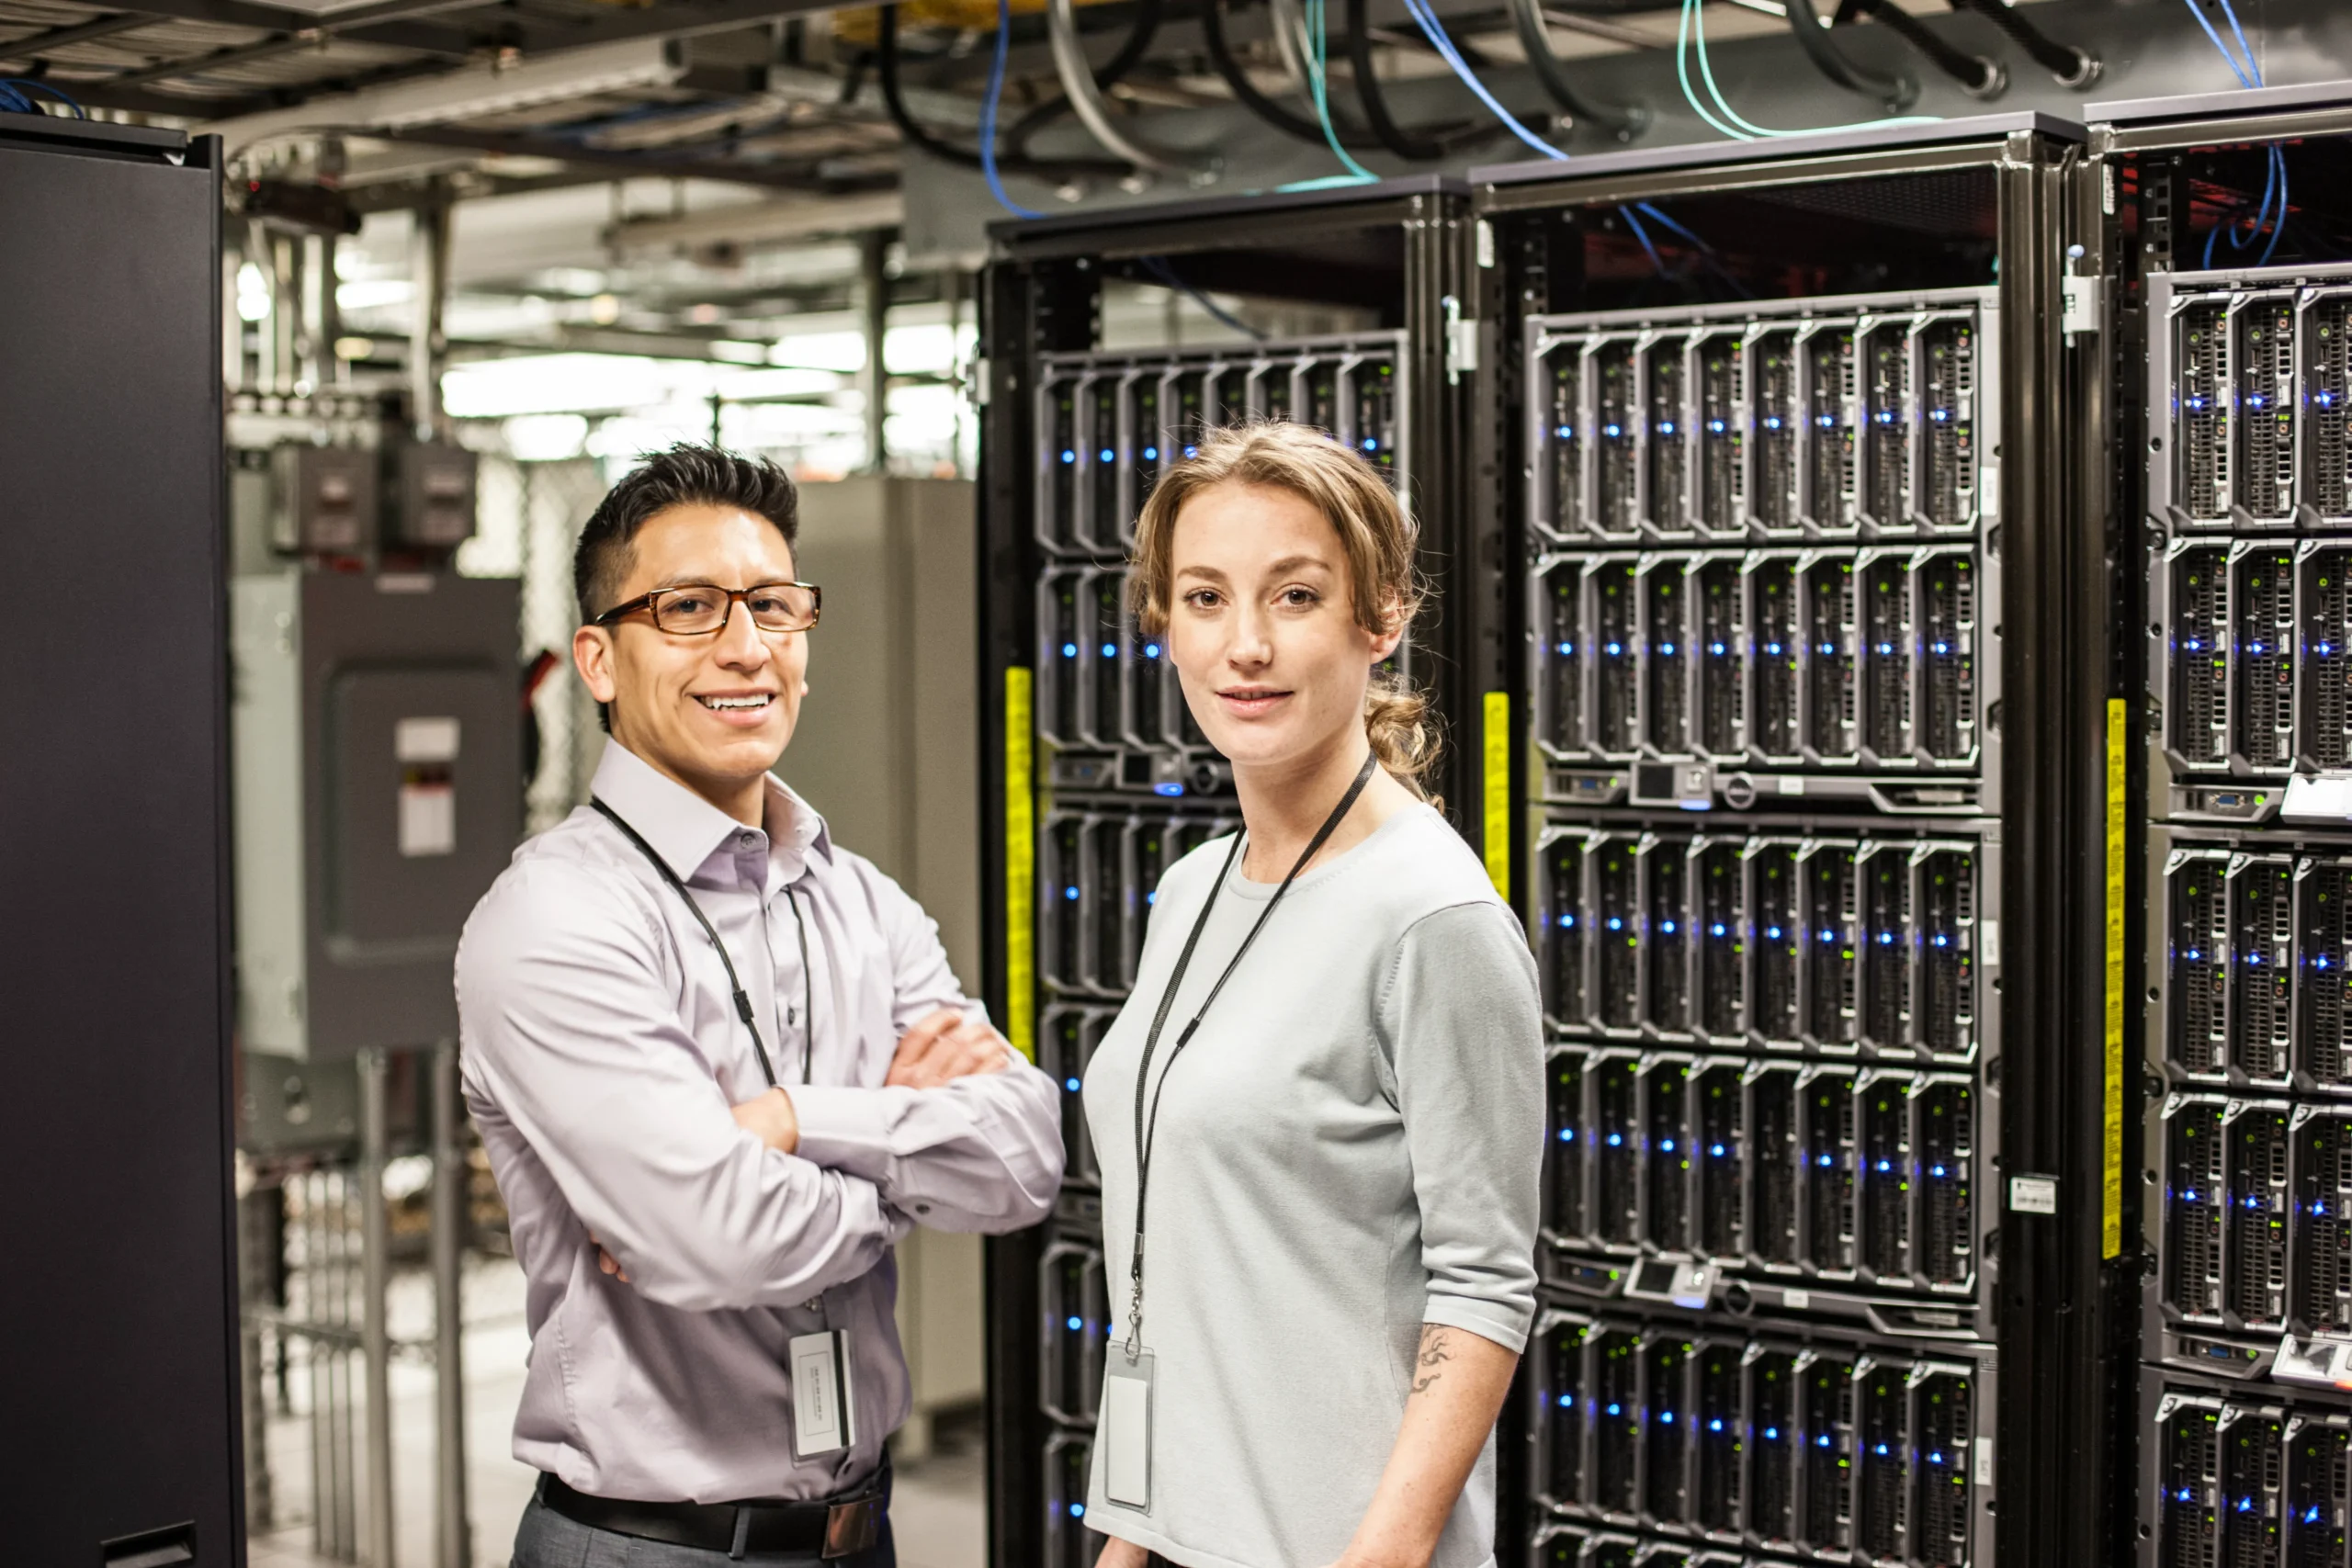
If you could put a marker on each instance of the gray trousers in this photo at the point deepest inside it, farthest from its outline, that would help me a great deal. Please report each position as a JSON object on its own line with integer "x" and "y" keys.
{"x": 547, "y": 1540}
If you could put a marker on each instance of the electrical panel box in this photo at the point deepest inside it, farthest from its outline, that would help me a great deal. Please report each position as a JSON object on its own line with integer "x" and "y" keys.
{"x": 429, "y": 495}
{"x": 324, "y": 499}
{"x": 375, "y": 738}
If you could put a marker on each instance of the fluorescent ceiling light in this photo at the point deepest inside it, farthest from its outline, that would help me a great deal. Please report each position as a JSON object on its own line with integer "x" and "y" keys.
{"x": 371, "y": 293}
{"x": 466, "y": 94}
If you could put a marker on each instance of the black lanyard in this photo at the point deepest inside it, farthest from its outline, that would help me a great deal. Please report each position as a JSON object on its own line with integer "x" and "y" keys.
{"x": 742, "y": 998}
{"x": 1147, "y": 1131}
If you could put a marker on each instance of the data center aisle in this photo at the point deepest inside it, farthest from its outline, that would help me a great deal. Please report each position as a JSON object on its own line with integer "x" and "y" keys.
{"x": 938, "y": 1509}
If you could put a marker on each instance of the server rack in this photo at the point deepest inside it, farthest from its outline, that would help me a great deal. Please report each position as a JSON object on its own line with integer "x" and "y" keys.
{"x": 1812, "y": 657}
{"x": 2230, "y": 433}
{"x": 1097, "y": 781}
{"x": 122, "y": 1358}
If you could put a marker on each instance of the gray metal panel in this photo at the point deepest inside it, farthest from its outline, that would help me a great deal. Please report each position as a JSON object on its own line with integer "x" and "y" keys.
{"x": 1991, "y": 128}
{"x": 118, "y": 1354}
{"x": 347, "y": 923}
{"x": 1010, "y": 232}
{"x": 2214, "y": 106}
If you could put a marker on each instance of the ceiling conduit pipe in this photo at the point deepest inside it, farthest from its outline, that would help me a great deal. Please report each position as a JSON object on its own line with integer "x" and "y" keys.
{"x": 1625, "y": 122}
{"x": 917, "y": 134}
{"x": 1245, "y": 91}
{"x": 1130, "y": 54}
{"x": 1897, "y": 92}
{"x": 2074, "y": 68}
{"x": 1405, "y": 144}
{"x": 1979, "y": 76}
{"x": 1087, "y": 102}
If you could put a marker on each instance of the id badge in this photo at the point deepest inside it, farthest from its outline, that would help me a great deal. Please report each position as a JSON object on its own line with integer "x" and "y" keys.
{"x": 1126, "y": 1429}
{"x": 823, "y": 1402}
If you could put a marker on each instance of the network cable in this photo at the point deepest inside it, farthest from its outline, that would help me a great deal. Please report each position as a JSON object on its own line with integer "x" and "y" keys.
{"x": 1435, "y": 32}
{"x": 1693, "y": 25}
{"x": 1317, "y": 80}
{"x": 14, "y": 101}
{"x": 1158, "y": 268}
{"x": 2274, "y": 185}
{"x": 1642, "y": 234}
{"x": 987, "y": 113}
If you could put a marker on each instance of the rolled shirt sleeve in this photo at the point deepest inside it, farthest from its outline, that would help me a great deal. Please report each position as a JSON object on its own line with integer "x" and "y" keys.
{"x": 569, "y": 993}
{"x": 1462, "y": 1016}
{"x": 983, "y": 1153}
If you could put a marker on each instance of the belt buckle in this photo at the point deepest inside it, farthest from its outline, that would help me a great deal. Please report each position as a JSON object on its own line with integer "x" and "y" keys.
{"x": 852, "y": 1528}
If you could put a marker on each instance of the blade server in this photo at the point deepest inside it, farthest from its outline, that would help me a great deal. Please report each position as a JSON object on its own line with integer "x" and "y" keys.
{"x": 1127, "y": 783}
{"x": 2247, "y": 1129}
{"x": 1765, "y": 878}
{"x": 2249, "y": 488}
{"x": 1760, "y": 549}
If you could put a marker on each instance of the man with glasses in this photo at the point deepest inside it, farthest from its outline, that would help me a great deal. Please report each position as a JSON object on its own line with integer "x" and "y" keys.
{"x": 721, "y": 1067}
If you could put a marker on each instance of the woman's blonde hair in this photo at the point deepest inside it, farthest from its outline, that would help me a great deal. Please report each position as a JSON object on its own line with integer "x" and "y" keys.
{"x": 1377, "y": 537}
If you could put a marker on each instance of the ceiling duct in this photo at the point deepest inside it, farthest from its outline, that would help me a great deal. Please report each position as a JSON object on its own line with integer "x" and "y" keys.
{"x": 467, "y": 94}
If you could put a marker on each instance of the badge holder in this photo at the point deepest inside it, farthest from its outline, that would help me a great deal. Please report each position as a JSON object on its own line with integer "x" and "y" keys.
{"x": 1125, "y": 1426}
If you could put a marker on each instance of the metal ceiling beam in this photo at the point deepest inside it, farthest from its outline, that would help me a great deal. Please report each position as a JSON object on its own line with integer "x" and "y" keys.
{"x": 674, "y": 20}
{"x": 761, "y": 223}
{"x": 219, "y": 59}
{"x": 393, "y": 25}
{"x": 646, "y": 166}
{"x": 38, "y": 44}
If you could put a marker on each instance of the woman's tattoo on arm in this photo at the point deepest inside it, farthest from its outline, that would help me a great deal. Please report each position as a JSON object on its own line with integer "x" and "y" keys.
{"x": 1435, "y": 1351}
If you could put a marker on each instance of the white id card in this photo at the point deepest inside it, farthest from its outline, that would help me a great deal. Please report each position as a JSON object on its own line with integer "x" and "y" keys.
{"x": 823, "y": 1404}
{"x": 1126, "y": 1429}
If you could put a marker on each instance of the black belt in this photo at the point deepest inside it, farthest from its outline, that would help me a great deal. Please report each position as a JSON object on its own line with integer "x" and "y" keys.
{"x": 832, "y": 1528}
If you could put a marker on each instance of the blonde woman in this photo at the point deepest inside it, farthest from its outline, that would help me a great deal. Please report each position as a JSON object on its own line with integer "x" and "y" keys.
{"x": 1318, "y": 1116}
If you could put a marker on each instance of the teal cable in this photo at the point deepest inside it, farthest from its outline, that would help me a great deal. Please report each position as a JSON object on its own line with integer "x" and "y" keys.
{"x": 1749, "y": 131}
{"x": 1314, "y": 13}
{"x": 1682, "y": 74}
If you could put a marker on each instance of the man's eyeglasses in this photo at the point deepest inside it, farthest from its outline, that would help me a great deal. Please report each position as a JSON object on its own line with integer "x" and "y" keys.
{"x": 698, "y": 609}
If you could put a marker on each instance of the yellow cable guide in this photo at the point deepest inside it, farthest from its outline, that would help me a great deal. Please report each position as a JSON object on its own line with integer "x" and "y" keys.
{"x": 1020, "y": 865}
{"x": 2111, "y": 1191}
{"x": 1497, "y": 803}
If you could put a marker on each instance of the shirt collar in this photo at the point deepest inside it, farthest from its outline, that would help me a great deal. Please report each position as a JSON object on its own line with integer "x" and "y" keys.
{"x": 686, "y": 830}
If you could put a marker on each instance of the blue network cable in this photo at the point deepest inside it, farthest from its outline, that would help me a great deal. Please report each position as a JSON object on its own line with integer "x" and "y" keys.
{"x": 1432, "y": 29}
{"x": 1644, "y": 236}
{"x": 1694, "y": 26}
{"x": 2272, "y": 212}
{"x": 14, "y": 101}
{"x": 1158, "y": 268}
{"x": 988, "y": 114}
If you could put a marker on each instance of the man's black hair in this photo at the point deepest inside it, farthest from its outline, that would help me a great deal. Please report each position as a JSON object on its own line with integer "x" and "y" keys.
{"x": 684, "y": 475}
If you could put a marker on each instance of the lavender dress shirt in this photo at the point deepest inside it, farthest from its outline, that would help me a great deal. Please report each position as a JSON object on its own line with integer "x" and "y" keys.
{"x": 602, "y": 1054}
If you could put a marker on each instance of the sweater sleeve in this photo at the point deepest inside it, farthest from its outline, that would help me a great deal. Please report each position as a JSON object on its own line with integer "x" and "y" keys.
{"x": 1465, "y": 1031}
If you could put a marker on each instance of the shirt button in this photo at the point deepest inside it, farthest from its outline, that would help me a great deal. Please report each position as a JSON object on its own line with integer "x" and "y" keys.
{"x": 747, "y": 839}
{"x": 923, "y": 1208}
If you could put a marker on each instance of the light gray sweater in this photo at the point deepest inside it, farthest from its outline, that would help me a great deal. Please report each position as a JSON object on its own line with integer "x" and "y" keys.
{"x": 1348, "y": 1149}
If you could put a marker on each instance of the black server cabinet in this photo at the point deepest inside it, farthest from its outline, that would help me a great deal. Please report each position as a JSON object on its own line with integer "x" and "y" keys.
{"x": 1811, "y": 640}
{"x": 121, "y": 1345}
{"x": 2231, "y": 482}
{"x": 1097, "y": 781}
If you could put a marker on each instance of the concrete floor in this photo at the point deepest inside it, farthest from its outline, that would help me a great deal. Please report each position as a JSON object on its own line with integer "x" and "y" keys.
{"x": 937, "y": 1508}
